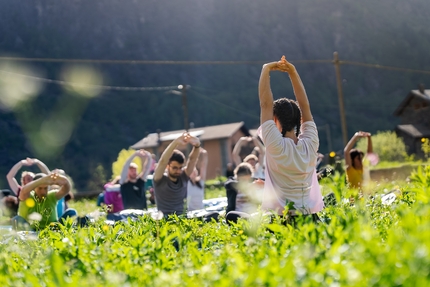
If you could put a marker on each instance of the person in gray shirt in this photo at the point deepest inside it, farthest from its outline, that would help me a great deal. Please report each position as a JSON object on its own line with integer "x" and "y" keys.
{"x": 171, "y": 176}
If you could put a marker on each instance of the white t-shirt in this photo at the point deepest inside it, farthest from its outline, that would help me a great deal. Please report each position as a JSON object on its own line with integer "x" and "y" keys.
{"x": 290, "y": 169}
{"x": 259, "y": 171}
{"x": 195, "y": 196}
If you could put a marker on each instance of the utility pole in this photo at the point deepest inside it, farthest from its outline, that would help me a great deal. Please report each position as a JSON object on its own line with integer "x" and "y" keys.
{"x": 336, "y": 63}
{"x": 185, "y": 106}
{"x": 183, "y": 93}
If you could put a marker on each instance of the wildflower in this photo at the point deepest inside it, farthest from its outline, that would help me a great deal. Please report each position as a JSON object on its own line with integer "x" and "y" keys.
{"x": 35, "y": 216}
{"x": 30, "y": 202}
{"x": 157, "y": 215}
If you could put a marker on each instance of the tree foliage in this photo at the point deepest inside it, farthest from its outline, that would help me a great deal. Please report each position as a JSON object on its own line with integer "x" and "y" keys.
{"x": 123, "y": 156}
{"x": 98, "y": 178}
{"x": 387, "y": 145}
{"x": 83, "y": 129}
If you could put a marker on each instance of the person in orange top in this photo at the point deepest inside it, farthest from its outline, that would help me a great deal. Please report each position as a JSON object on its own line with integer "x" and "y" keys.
{"x": 354, "y": 159}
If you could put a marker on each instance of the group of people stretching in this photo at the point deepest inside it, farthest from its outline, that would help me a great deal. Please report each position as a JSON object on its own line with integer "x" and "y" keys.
{"x": 289, "y": 145}
{"x": 40, "y": 198}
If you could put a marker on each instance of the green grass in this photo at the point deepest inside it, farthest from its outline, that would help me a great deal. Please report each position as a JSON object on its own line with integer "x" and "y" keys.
{"x": 214, "y": 192}
{"x": 366, "y": 244}
{"x": 85, "y": 206}
{"x": 391, "y": 164}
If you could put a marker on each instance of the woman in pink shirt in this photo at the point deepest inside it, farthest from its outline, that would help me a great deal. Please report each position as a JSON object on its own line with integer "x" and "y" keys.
{"x": 112, "y": 196}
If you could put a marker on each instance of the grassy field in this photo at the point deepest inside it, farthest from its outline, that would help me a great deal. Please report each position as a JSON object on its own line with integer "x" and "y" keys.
{"x": 368, "y": 243}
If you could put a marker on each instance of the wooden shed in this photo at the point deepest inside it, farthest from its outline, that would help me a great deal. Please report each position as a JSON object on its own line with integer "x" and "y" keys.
{"x": 414, "y": 114}
{"x": 218, "y": 140}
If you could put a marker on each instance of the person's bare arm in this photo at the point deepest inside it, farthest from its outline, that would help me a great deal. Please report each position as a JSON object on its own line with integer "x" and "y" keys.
{"x": 265, "y": 92}
{"x": 43, "y": 168}
{"x": 13, "y": 184}
{"x": 62, "y": 181}
{"x": 350, "y": 145}
{"x": 236, "y": 150}
{"x": 348, "y": 148}
{"x": 262, "y": 150}
{"x": 369, "y": 143}
{"x": 146, "y": 164}
{"x": 299, "y": 89}
{"x": 194, "y": 154}
{"x": 124, "y": 172}
{"x": 203, "y": 163}
{"x": 165, "y": 156}
{"x": 26, "y": 189}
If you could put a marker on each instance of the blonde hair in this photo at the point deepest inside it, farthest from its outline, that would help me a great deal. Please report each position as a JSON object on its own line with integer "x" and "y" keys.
{"x": 250, "y": 156}
{"x": 133, "y": 165}
{"x": 25, "y": 173}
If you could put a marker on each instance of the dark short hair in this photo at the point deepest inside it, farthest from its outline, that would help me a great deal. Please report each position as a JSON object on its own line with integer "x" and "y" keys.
{"x": 354, "y": 153}
{"x": 288, "y": 113}
{"x": 177, "y": 156}
{"x": 39, "y": 175}
{"x": 243, "y": 169}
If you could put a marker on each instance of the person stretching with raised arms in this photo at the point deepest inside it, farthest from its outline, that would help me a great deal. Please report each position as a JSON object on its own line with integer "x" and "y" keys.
{"x": 291, "y": 140}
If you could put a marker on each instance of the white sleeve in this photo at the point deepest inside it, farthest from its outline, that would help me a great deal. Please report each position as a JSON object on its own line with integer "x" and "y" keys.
{"x": 309, "y": 133}
{"x": 271, "y": 137}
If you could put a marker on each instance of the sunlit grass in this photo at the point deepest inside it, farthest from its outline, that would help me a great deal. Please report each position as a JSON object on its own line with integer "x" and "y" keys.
{"x": 394, "y": 164}
{"x": 368, "y": 243}
{"x": 84, "y": 206}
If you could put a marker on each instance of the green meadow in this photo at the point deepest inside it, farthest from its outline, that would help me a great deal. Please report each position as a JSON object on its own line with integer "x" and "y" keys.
{"x": 367, "y": 243}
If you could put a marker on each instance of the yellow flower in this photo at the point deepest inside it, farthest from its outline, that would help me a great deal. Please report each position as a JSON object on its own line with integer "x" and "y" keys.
{"x": 105, "y": 227}
{"x": 423, "y": 140}
{"x": 332, "y": 154}
{"x": 30, "y": 202}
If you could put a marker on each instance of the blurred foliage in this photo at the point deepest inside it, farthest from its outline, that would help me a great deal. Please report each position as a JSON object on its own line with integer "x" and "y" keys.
{"x": 123, "y": 156}
{"x": 425, "y": 147}
{"x": 98, "y": 179}
{"x": 369, "y": 243}
{"x": 387, "y": 145}
{"x": 97, "y": 128}
{"x": 420, "y": 180}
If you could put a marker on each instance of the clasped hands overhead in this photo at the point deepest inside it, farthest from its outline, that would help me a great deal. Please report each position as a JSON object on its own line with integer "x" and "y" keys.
{"x": 282, "y": 65}
{"x": 187, "y": 138}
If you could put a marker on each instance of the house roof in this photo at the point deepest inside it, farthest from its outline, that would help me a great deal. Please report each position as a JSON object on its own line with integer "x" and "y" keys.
{"x": 416, "y": 131}
{"x": 204, "y": 133}
{"x": 412, "y": 94}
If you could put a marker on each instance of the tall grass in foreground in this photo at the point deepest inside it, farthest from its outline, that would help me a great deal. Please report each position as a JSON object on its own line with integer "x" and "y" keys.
{"x": 366, "y": 244}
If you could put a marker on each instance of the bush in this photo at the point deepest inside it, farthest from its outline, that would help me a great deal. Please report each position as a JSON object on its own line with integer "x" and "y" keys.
{"x": 369, "y": 243}
{"x": 387, "y": 145}
{"x": 122, "y": 158}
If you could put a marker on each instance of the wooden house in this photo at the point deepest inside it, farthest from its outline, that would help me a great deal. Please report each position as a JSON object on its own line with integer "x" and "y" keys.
{"x": 218, "y": 140}
{"x": 414, "y": 114}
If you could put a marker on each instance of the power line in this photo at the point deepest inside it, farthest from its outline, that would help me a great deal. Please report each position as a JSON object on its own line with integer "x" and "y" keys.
{"x": 377, "y": 66}
{"x": 222, "y": 104}
{"x": 314, "y": 104}
{"x": 103, "y": 87}
{"x": 164, "y": 88}
{"x": 147, "y": 62}
{"x": 164, "y": 62}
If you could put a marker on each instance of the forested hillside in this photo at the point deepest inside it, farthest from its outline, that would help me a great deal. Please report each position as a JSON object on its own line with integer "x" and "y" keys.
{"x": 79, "y": 132}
